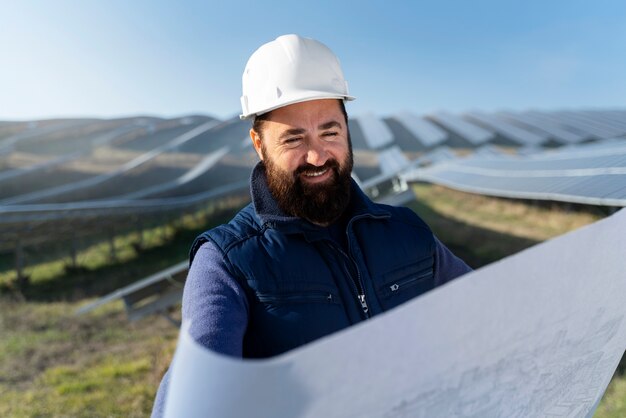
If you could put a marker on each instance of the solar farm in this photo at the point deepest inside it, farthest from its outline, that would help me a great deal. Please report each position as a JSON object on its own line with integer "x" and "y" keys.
{"x": 67, "y": 184}
{"x": 63, "y": 179}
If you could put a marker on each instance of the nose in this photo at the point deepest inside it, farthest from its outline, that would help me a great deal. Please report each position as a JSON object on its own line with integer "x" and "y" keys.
{"x": 316, "y": 154}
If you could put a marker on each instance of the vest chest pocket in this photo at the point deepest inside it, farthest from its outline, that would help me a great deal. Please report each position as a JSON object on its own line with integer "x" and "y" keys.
{"x": 298, "y": 297}
{"x": 407, "y": 282}
{"x": 296, "y": 317}
{"x": 281, "y": 320}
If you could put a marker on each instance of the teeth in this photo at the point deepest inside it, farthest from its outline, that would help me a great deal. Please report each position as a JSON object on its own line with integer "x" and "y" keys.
{"x": 315, "y": 174}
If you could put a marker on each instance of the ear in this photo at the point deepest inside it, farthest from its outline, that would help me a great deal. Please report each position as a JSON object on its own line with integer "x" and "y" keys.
{"x": 256, "y": 142}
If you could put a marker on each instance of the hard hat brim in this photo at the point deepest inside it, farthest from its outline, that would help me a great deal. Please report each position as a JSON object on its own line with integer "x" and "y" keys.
{"x": 301, "y": 97}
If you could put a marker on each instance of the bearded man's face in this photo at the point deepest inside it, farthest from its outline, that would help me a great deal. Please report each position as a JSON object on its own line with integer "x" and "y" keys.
{"x": 321, "y": 202}
{"x": 307, "y": 155}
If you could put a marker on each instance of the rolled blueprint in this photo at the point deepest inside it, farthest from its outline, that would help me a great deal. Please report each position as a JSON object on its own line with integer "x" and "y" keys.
{"x": 539, "y": 333}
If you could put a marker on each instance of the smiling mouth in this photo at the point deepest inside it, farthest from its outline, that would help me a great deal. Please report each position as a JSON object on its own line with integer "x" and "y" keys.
{"x": 316, "y": 173}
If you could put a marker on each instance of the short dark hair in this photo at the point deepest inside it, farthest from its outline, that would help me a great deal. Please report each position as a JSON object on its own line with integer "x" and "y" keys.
{"x": 258, "y": 120}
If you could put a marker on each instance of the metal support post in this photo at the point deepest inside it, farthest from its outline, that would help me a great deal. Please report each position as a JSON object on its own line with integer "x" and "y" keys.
{"x": 112, "y": 251}
{"x": 22, "y": 279}
{"x": 141, "y": 232}
{"x": 74, "y": 251}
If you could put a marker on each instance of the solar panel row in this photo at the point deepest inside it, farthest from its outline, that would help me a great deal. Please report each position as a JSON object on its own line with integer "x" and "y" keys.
{"x": 473, "y": 133}
{"x": 589, "y": 174}
{"x": 383, "y": 147}
{"x": 536, "y": 123}
{"x": 517, "y": 134}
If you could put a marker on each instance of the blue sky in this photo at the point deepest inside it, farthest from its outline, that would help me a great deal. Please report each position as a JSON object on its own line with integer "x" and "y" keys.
{"x": 112, "y": 58}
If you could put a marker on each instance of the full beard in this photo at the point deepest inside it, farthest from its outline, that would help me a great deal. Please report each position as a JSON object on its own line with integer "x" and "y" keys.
{"x": 321, "y": 203}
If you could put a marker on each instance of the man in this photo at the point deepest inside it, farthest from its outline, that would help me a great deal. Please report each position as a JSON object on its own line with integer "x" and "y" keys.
{"x": 311, "y": 254}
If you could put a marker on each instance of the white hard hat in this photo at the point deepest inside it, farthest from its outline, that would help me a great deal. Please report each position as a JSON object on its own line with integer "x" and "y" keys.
{"x": 290, "y": 69}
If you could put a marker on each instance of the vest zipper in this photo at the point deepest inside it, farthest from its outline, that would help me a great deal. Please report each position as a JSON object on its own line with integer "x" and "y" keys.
{"x": 358, "y": 285}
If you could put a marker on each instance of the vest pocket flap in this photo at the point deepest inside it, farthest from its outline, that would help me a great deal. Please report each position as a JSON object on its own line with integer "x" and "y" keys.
{"x": 405, "y": 277}
{"x": 318, "y": 296}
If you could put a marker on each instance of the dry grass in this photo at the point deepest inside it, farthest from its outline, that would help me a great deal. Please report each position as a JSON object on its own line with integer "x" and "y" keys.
{"x": 483, "y": 229}
{"x": 515, "y": 218}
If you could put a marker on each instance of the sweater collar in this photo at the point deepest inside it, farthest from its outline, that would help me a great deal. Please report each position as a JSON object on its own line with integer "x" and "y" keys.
{"x": 267, "y": 209}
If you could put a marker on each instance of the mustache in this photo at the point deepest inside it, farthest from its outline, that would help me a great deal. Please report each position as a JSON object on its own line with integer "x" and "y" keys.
{"x": 310, "y": 168}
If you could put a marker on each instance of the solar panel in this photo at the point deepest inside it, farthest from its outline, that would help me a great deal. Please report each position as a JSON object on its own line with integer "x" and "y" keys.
{"x": 439, "y": 154}
{"x": 509, "y": 165}
{"x": 607, "y": 130}
{"x": 528, "y": 150}
{"x": 607, "y": 119}
{"x": 508, "y": 130}
{"x": 403, "y": 138}
{"x": 425, "y": 131}
{"x": 7, "y": 143}
{"x": 601, "y": 147}
{"x": 598, "y": 190}
{"x": 376, "y": 133}
{"x": 486, "y": 151}
{"x": 551, "y": 129}
{"x": 392, "y": 160}
{"x": 543, "y": 117}
{"x": 589, "y": 174}
{"x": 357, "y": 136}
{"x": 208, "y": 162}
{"x": 92, "y": 181}
{"x": 572, "y": 122}
{"x": 472, "y": 133}
{"x": 615, "y": 115}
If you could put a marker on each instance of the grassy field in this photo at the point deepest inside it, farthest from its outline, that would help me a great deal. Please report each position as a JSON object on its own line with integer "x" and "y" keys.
{"x": 53, "y": 363}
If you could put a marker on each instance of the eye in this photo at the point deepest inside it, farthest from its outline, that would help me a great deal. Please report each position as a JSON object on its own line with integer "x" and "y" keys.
{"x": 292, "y": 141}
{"x": 330, "y": 135}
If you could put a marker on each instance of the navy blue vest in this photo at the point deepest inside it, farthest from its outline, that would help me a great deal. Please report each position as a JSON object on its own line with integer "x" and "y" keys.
{"x": 301, "y": 285}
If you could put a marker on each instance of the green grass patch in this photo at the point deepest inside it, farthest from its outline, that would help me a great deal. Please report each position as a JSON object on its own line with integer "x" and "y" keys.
{"x": 613, "y": 403}
{"x": 98, "y": 365}
{"x": 80, "y": 394}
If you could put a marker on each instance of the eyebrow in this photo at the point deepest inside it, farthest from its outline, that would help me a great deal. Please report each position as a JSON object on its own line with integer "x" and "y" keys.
{"x": 328, "y": 125}
{"x": 300, "y": 131}
{"x": 290, "y": 132}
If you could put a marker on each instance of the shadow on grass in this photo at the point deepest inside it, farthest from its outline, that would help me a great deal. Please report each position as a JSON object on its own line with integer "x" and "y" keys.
{"x": 80, "y": 282}
{"x": 475, "y": 245}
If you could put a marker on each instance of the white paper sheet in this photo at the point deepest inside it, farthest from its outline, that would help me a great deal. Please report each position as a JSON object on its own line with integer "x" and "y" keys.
{"x": 537, "y": 334}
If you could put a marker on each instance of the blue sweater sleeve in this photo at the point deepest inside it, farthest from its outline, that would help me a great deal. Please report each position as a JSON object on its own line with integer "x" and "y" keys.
{"x": 216, "y": 306}
{"x": 447, "y": 265}
{"x": 215, "y": 303}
